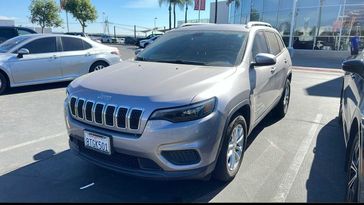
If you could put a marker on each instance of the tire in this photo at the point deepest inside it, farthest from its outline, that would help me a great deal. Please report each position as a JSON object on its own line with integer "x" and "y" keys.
{"x": 282, "y": 107}
{"x": 98, "y": 66}
{"x": 4, "y": 83}
{"x": 228, "y": 166}
{"x": 352, "y": 185}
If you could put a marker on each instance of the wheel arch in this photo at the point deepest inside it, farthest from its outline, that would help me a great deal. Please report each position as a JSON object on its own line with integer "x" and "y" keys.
{"x": 354, "y": 130}
{"x": 7, "y": 76}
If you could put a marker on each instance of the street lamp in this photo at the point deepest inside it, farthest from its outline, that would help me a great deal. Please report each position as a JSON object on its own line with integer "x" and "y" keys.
{"x": 155, "y": 23}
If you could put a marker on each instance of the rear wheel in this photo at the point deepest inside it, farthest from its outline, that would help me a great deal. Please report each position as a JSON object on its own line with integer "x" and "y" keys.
{"x": 3, "y": 83}
{"x": 352, "y": 188}
{"x": 282, "y": 108}
{"x": 98, "y": 66}
{"x": 232, "y": 150}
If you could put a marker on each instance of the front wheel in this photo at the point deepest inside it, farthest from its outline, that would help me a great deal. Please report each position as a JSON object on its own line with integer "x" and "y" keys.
{"x": 282, "y": 107}
{"x": 232, "y": 150}
{"x": 3, "y": 83}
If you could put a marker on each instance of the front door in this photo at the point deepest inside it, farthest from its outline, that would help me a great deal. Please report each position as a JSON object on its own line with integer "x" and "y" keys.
{"x": 41, "y": 64}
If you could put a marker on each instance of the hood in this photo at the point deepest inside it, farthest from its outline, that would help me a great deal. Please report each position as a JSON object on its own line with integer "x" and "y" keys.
{"x": 150, "y": 81}
{"x": 5, "y": 57}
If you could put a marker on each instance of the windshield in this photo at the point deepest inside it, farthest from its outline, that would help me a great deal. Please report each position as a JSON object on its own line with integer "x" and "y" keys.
{"x": 211, "y": 48}
{"x": 11, "y": 43}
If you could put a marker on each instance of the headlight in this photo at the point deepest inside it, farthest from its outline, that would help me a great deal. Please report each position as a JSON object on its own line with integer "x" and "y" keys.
{"x": 187, "y": 113}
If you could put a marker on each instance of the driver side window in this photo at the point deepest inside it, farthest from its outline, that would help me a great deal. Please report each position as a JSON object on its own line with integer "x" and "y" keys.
{"x": 260, "y": 44}
{"x": 43, "y": 45}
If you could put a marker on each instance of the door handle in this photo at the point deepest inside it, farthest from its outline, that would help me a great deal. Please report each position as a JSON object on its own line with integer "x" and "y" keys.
{"x": 273, "y": 69}
{"x": 54, "y": 57}
{"x": 87, "y": 54}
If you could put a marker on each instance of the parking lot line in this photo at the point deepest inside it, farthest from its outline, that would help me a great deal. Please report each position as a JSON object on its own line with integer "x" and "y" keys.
{"x": 291, "y": 174}
{"x": 32, "y": 142}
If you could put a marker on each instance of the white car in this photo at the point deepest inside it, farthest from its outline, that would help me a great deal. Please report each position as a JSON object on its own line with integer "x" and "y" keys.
{"x": 37, "y": 59}
{"x": 106, "y": 39}
{"x": 146, "y": 42}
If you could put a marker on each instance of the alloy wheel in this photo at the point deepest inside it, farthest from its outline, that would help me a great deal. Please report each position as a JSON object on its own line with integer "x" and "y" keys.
{"x": 287, "y": 95}
{"x": 99, "y": 67}
{"x": 236, "y": 147}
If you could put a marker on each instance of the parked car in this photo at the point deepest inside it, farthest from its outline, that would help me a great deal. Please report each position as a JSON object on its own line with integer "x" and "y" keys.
{"x": 106, "y": 39}
{"x": 351, "y": 115}
{"x": 145, "y": 43}
{"x": 148, "y": 37}
{"x": 185, "y": 107}
{"x": 36, "y": 59}
{"x": 8, "y": 32}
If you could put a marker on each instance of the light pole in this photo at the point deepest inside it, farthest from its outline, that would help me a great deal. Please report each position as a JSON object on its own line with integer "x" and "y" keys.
{"x": 155, "y": 23}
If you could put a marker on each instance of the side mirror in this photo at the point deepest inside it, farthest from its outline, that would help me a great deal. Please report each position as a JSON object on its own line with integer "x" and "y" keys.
{"x": 354, "y": 66}
{"x": 23, "y": 52}
{"x": 138, "y": 51}
{"x": 264, "y": 59}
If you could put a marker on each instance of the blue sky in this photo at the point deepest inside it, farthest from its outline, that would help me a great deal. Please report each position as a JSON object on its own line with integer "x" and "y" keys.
{"x": 124, "y": 12}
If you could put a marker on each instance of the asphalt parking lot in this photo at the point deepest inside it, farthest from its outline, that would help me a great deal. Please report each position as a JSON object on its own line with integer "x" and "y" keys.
{"x": 297, "y": 159}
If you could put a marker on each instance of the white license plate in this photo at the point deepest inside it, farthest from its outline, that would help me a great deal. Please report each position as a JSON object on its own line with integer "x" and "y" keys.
{"x": 97, "y": 142}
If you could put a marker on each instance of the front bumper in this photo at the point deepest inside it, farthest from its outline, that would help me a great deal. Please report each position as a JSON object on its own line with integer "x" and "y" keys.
{"x": 131, "y": 153}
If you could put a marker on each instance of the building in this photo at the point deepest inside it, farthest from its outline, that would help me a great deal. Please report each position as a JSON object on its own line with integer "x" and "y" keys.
{"x": 316, "y": 24}
{"x": 222, "y": 12}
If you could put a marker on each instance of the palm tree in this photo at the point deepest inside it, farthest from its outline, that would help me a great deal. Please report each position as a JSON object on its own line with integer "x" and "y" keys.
{"x": 169, "y": 2}
{"x": 237, "y": 2}
{"x": 187, "y": 3}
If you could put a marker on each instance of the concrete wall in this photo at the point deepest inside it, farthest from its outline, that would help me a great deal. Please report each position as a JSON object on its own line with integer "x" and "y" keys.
{"x": 222, "y": 12}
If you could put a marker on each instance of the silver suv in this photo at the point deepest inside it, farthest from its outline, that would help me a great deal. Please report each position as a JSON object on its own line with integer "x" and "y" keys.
{"x": 185, "y": 106}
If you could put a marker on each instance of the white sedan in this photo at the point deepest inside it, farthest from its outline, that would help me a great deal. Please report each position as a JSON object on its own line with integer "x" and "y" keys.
{"x": 37, "y": 59}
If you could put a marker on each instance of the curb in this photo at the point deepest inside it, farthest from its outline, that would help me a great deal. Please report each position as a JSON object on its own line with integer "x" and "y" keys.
{"x": 329, "y": 70}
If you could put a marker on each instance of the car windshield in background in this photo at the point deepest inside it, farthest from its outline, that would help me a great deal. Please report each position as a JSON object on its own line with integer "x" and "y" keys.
{"x": 210, "y": 48}
{"x": 11, "y": 43}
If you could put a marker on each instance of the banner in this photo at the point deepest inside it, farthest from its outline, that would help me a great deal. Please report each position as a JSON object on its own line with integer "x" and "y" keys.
{"x": 200, "y": 5}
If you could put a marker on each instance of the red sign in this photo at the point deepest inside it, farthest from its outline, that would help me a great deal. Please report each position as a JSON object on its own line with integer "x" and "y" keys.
{"x": 200, "y": 5}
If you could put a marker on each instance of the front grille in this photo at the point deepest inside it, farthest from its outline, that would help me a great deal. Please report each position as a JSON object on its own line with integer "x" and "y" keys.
{"x": 106, "y": 115}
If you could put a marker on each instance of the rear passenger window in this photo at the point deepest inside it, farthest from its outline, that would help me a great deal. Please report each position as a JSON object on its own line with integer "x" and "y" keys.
{"x": 259, "y": 44}
{"x": 86, "y": 45}
{"x": 72, "y": 44}
{"x": 273, "y": 43}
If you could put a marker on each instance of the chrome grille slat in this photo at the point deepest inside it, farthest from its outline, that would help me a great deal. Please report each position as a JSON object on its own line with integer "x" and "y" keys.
{"x": 106, "y": 115}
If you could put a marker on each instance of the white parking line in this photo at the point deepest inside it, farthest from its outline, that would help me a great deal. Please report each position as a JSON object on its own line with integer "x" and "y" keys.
{"x": 291, "y": 174}
{"x": 31, "y": 142}
{"x": 87, "y": 186}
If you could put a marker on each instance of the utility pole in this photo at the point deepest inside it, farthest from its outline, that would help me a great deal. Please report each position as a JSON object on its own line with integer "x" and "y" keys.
{"x": 134, "y": 31}
{"x": 199, "y": 11}
{"x": 68, "y": 27}
{"x": 216, "y": 11}
{"x": 114, "y": 32}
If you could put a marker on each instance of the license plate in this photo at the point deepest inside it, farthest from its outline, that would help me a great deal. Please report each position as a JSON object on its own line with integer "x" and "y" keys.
{"x": 97, "y": 142}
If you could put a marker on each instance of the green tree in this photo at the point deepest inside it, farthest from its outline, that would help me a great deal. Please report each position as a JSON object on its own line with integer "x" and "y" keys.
{"x": 186, "y": 3}
{"x": 169, "y": 2}
{"x": 237, "y": 2}
{"x": 45, "y": 13}
{"x": 82, "y": 10}
{"x": 172, "y": 4}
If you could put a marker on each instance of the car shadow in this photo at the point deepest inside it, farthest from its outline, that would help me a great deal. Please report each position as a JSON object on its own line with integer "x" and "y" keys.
{"x": 63, "y": 177}
{"x": 34, "y": 88}
{"x": 327, "y": 179}
{"x": 327, "y": 89}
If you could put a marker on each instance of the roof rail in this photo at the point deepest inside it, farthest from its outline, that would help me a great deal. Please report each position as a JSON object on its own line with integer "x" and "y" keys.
{"x": 192, "y": 24}
{"x": 258, "y": 23}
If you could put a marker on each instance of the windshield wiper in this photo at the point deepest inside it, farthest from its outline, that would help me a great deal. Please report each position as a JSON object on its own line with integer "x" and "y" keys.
{"x": 182, "y": 62}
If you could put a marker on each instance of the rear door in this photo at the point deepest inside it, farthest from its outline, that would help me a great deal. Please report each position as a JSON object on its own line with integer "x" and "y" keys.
{"x": 260, "y": 77}
{"x": 41, "y": 64}
{"x": 279, "y": 70}
{"x": 76, "y": 57}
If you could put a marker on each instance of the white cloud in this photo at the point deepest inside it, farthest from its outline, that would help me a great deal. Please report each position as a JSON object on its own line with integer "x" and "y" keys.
{"x": 141, "y": 4}
{"x": 7, "y": 18}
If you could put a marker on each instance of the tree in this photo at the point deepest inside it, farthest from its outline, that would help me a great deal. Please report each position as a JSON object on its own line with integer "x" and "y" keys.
{"x": 82, "y": 10}
{"x": 169, "y": 2}
{"x": 237, "y": 2}
{"x": 187, "y": 3}
{"x": 45, "y": 13}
